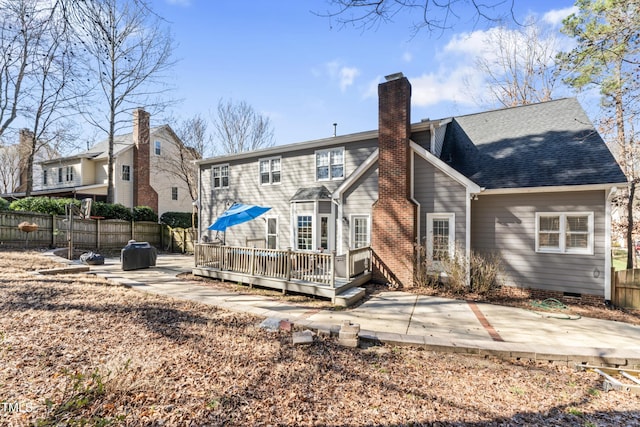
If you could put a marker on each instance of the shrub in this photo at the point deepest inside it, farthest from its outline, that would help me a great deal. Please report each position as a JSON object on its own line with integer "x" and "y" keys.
{"x": 177, "y": 219}
{"x": 111, "y": 211}
{"x": 46, "y": 205}
{"x": 144, "y": 213}
{"x": 485, "y": 273}
{"x": 451, "y": 274}
{"x": 4, "y": 204}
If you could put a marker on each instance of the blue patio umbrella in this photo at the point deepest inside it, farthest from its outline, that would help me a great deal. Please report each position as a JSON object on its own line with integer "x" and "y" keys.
{"x": 237, "y": 214}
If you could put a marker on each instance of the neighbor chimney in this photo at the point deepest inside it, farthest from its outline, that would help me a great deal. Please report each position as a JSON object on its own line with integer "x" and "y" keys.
{"x": 394, "y": 214}
{"x": 24, "y": 148}
{"x": 143, "y": 193}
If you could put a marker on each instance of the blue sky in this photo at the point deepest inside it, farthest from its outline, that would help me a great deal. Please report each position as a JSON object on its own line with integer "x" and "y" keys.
{"x": 306, "y": 72}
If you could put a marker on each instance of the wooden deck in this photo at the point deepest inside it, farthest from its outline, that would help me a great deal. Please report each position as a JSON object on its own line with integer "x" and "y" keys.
{"x": 319, "y": 274}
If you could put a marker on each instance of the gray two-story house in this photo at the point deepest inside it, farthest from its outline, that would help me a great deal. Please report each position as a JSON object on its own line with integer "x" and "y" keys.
{"x": 531, "y": 183}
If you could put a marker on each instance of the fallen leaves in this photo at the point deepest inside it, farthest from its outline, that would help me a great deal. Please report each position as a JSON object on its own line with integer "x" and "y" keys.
{"x": 78, "y": 350}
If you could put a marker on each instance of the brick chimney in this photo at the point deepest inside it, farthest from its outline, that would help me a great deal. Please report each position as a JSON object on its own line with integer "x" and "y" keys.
{"x": 24, "y": 148}
{"x": 394, "y": 214}
{"x": 143, "y": 193}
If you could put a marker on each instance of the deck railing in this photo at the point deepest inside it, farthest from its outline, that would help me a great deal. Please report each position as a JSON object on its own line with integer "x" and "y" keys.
{"x": 319, "y": 268}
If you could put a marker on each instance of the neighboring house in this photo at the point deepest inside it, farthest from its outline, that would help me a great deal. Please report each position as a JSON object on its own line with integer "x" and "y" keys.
{"x": 531, "y": 183}
{"x": 142, "y": 170}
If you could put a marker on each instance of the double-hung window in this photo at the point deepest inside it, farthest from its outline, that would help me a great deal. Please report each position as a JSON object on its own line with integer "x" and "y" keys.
{"x": 565, "y": 232}
{"x": 44, "y": 177}
{"x": 60, "y": 174}
{"x": 157, "y": 148}
{"x": 220, "y": 176}
{"x": 270, "y": 171}
{"x": 69, "y": 173}
{"x": 174, "y": 193}
{"x": 330, "y": 164}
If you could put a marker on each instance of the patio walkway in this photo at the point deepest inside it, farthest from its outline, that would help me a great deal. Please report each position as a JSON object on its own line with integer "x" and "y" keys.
{"x": 403, "y": 318}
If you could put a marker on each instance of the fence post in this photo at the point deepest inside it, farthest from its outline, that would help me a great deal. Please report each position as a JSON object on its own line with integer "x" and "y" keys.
{"x": 347, "y": 263}
{"x": 53, "y": 230}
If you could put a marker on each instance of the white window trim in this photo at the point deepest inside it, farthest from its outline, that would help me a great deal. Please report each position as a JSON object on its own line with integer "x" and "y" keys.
{"x": 451, "y": 217}
{"x": 329, "y": 150}
{"x": 562, "y": 249}
{"x": 267, "y": 234}
{"x": 352, "y": 231}
{"x": 265, "y": 159}
{"x": 313, "y": 230}
{"x": 219, "y": 167}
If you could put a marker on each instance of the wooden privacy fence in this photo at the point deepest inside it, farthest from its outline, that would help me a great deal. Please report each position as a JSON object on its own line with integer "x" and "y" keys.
{"x": 625, "y": 288}
{"x": 96, "y": 234}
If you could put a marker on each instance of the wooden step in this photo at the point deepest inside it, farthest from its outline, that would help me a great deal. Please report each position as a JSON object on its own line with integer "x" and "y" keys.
{"x": 349, "y": 297}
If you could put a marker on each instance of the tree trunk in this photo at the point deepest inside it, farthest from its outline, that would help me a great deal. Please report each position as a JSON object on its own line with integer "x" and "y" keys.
{"x": 631, "y": 247}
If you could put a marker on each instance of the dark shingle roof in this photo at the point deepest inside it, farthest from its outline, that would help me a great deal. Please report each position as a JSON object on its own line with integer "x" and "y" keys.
{"x": 312, "y": 193}
{"x": 548, "y": 144}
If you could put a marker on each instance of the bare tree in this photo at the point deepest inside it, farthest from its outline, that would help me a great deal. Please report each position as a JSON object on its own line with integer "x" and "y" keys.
{"x": 238, "y": 128}
{"x": 130, "y": 50}
{"x": 520, "y": 65}
{"x": 52, "y": 87}
{"x": 18, "y": 27}
{"x": 9, "y": 167}
{"x": 431, "y": 15}
{"x": 194, "y": 133}
{"x": 180, "y": 164}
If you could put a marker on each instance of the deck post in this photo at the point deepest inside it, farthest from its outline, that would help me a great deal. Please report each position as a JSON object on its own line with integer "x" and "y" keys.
{"x": 347, "y": 262}
{"x": 288, "y": 264}
{"x": 252, "y": 263}
{"x": 332, "y": 268}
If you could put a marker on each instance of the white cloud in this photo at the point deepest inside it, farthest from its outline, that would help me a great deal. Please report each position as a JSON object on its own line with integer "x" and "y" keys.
{"x": 461, "y": 85}
{"x": 336, "y": 71}
{"x": 554, "y": 17}
{"x": 371, "y": 89}
{"x": 347, "y": 77}
{"x": 407, "y": 57}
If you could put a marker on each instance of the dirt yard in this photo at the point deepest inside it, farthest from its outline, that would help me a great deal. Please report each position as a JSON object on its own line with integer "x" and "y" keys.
{"x": 76, "y": 350}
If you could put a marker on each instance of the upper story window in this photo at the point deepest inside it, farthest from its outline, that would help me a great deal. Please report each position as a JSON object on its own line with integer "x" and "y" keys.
{"x": 157, "y": 148}
{"x": 565, "y": 232}
{"x": 220, "y": 176}
{"x": 44, "y": 176}
{"x": 69, "y": 173}
{"x": 60, "y": 174}
{"x": 174, "y": 193}
{"x": 270, "y": 171}
{"x": 126, "y": 173}
{"x": 330, "y": 164}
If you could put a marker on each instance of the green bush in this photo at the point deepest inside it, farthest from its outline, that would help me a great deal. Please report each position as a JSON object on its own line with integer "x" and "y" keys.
{"x": 144, "y": 213}
{"x": 177, "y": 219}
{"x": 4, "y": 204}
{"x": 111, "y": 211}
{"x": 46, "y": 205}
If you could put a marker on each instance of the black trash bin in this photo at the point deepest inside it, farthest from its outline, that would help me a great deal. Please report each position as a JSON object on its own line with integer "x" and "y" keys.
{"x": 137, "y": 255}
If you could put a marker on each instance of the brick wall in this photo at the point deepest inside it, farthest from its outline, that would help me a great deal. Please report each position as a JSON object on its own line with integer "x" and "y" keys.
{"x": 143, "y": 193}
{"x": 394, "y": 215}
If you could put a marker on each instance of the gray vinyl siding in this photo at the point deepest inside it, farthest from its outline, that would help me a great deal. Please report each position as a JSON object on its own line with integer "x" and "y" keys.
{"x": 505, "y": 224}
{"x": 439, "y": 193}
{"x": 358, "y": 200}
{"x": 297, "y": 171}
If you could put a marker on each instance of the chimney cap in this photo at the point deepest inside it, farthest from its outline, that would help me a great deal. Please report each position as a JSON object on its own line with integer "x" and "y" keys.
{"x": 394, "y": 76}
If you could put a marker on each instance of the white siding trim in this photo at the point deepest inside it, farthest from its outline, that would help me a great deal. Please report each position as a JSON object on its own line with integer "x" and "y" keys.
{"x": 551, "y": 189}
{"x": 351, "y": 179}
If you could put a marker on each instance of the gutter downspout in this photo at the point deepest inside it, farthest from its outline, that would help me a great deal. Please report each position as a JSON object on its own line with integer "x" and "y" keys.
{"x": 607, "y": 243}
